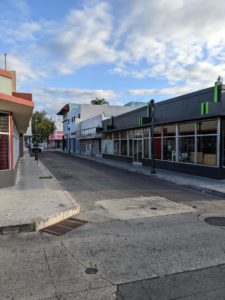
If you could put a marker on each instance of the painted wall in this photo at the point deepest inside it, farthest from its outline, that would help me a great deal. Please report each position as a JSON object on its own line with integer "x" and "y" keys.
{"x": 6, "y": 85}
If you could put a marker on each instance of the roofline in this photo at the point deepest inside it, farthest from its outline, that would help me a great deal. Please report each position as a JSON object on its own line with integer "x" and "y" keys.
{"x": 65, "y": 108}
{"x": 5, "y": 73}
{"x": 16, "y": 100}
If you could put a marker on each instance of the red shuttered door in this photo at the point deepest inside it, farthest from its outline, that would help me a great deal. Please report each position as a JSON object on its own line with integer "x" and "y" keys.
{"x": 4, "y": 152}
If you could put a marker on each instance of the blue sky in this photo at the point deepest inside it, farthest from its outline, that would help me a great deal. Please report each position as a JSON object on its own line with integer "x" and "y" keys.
{"x": 74, "y": 51}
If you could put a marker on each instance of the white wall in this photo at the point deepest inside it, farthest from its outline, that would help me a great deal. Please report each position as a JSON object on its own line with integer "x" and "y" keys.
{"x": 16, "y": 150}
{"x": 92, "y": 122}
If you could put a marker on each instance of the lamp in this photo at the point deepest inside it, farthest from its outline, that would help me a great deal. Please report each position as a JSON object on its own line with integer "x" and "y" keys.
{"x": 219, "y": 80}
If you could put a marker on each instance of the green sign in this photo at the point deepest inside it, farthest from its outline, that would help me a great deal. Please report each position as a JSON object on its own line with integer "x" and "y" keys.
{"x": 204, "y": 108}
{"x": 216, "y": 92}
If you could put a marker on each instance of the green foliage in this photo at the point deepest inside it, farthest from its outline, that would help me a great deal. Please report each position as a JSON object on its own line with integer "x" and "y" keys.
{"x": 42, "y": 126}
{"x": 99, "y": 101}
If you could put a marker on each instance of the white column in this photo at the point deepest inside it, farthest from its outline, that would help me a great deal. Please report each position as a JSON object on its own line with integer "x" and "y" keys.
{"x": 150, "y": 144}
{"x": 177, "y": 143}
{"x": 218, "y": 153}
{"x": 196, "y": 148}
{"x": 128, "y": 145}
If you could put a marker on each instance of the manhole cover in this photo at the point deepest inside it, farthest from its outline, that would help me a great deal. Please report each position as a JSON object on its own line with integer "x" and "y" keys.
{"x": 215, "y": 221}
{"x": 63, "y": 226}
{"x": 91, "y": 271}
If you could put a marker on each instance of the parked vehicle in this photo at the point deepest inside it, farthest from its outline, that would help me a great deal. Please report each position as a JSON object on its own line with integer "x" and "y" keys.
{"x": 36, "y": 147}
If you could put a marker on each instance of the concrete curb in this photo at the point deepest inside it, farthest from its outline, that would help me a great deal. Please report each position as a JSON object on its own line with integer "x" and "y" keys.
{"x": 58, "y": 217}
{"x": 158, "y": 176}
{"x": 39, "y": 223}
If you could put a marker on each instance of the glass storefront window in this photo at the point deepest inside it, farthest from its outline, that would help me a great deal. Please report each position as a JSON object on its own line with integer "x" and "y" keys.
{"x": 124, "y": 147}
{"x": 146, "y": 132}
{"x": 187, "y": 129}
{"x": 116, "y": 148}
{"x": 146, "y": 148}
{"x": 130, "y": 147}
{"x": 138, "y": 133}
{"x": 123, "y": 135}
{"x": 108, "y": 136}
{"x": 207, "y": 127}
{"x": 223, "y": 143}
{"x": 116, "y": 135}
{"x": 107, "y": 146}
{"x": 169, "y": 130}
{"x": 169, "y": 149}
{"x": 4, "y": 142}
{"x": 157, "y": 131}
{"x": 187, "y": 149}
{"x": 206, "y": 150}
{"x": 130, "y": 134}
{"x": 4, "y": 123}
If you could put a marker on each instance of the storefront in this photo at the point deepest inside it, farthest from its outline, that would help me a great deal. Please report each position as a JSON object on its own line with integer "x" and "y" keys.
{"x": 189, "y": 134}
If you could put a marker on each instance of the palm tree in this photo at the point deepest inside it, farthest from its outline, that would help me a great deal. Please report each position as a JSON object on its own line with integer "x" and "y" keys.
{"x": 99, "y": 101}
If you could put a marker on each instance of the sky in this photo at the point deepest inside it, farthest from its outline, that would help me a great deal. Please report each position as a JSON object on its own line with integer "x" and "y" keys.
{"x": 122, "y": 50}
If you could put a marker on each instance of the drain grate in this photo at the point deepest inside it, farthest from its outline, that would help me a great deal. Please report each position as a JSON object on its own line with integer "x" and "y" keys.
{"x": 63, "y": 226}
{"x": 215, "y": 221}
{"x": 45, "y": 177}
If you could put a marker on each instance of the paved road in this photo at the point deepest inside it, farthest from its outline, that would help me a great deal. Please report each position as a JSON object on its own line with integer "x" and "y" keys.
{"x": 143, "y": 240}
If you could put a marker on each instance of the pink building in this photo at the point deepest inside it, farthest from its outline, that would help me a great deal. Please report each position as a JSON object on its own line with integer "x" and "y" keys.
{"x": 56, "y": 138}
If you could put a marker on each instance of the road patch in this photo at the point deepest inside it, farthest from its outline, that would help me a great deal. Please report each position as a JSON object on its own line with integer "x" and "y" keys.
{"x": 141, "y": 207}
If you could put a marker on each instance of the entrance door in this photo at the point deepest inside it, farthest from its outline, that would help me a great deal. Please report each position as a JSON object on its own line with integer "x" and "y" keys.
{"x": 137, "y": 150}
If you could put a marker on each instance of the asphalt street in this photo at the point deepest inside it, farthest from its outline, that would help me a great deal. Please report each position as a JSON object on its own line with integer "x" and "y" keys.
{"x": 144, "y": 239}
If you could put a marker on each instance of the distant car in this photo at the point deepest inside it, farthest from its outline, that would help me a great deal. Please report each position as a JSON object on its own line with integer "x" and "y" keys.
{"x": 37, "y": 147}
{"x": 40, "y": 147}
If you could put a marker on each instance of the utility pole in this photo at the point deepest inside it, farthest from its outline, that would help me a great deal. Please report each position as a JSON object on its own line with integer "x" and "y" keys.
{"x": 5, "y": 54}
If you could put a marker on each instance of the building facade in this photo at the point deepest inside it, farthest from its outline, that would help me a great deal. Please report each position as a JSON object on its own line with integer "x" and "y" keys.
{"x": 81, "y": 119}
{"x": 56, "y": 138}
{"x": 15, "y": 113}
{"x": 189, "y": 134}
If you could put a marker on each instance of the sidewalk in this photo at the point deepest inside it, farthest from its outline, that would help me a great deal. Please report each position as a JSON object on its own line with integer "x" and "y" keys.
{"x": 36, "y": 201}
{"x": 203, "y": 184}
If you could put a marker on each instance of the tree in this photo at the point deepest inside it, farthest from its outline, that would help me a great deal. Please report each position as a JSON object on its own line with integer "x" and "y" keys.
{"x": 42, "y": 126}
{"x": 99, "y": 101}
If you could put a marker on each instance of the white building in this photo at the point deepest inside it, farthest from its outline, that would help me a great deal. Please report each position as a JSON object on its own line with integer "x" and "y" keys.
{"x": 79, "y": 119}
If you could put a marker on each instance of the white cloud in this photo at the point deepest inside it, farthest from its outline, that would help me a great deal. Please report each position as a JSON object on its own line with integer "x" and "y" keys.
{"x": 180, "y": 42}
{"x": 83, "y": 39}
{"x": 174, "y": 40}
{"x": 52, "y": 99}
{"x": 24, "y": 70}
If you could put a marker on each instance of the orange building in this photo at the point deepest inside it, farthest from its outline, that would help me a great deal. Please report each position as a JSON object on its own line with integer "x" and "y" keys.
{"x": 15, "y": 112}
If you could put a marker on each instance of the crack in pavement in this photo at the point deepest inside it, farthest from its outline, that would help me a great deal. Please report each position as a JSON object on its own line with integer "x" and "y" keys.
{"x": 49, "y": 268}
{"x": 83, "y": 265}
